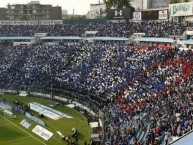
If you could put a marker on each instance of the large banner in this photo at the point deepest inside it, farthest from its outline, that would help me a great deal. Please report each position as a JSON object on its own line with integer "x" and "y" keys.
{"x": 35, "y": 22}
{"x": 50, "y": 22}
{"x": 18, "y": 22}
{"x": 42, "y": 132}
{"x": 114, "y": 14}
{"x": 181, "y": 9}
{"x": 35, "y": 119}
{"x": 45, "y": 112}
{"x": 137, "y": 16}
{"x": 16, "y": 109}
{"x": 163, "y": 15}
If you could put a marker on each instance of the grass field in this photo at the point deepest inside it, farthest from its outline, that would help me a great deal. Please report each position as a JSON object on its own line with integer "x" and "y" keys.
{"x": 12, "y": 133}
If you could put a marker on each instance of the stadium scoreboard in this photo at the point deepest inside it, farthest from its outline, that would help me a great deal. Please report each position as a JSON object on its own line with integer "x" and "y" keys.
{"x": 150, "y": 15}
{"x": 114, "y": 14}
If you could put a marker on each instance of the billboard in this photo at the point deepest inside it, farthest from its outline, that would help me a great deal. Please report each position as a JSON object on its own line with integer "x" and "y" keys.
{"x": 163, "y": 14}
{"x": 114, "y": 14}
{"x": 149, "y": 15}
{"x": 35, "y": 119}
{"x": 136, "y": 16}
{"x": 35, "y": 22}
{"x": 42, "y": 132}
{"x": 25, "y": 123}
{"x": 16, "y": 109}
{"x": 181, "y": 9}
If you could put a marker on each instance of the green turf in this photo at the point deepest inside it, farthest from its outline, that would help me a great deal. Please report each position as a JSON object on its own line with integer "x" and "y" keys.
{"x": 12, "y": 133}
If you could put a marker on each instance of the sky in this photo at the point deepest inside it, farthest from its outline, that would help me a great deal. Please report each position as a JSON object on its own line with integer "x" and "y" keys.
{"x": 80, "y": 6}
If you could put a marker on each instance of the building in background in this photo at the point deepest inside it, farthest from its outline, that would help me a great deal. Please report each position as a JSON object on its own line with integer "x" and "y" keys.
{"x": 141, "y": 4}
{"x": 2, "y": 14}
{"x": 33, "y": 11}
{"x": 97, "y": 11}
{"x": 64, "y": 14}
{"x": 55, "y": 13}
{"x": 160, "y": 3}
{"x": 149, "y": 4}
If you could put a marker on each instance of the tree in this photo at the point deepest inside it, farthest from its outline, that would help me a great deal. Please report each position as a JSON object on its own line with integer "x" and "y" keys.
{"x": 178, "y": 1}
{"x": 117, "y": 4}
{"x": 23, "y": 17}
{"x": 76, "y": 17}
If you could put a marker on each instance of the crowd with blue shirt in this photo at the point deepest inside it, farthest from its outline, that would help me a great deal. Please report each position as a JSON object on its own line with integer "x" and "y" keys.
{"x": 153, "y": 86}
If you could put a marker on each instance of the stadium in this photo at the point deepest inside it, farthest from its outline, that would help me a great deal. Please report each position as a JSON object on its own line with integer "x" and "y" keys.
{"x": 123, "y": 80}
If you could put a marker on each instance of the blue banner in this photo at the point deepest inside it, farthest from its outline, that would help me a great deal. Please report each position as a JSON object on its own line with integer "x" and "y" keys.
{"x": 35, "y": 119}
{"x": 16, "y": 109}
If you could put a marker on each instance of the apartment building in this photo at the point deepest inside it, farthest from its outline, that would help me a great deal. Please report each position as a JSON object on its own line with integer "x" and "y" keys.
{"x": 33, "y": 11}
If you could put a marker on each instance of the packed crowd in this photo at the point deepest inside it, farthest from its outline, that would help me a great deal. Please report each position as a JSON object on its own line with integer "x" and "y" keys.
{"x": 156, "y": 105}
{"x": 153, "y": 86}
{"x": 151, "y": 29}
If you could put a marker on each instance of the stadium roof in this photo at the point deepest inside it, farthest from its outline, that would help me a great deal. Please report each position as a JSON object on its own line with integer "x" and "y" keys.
{"x": 154, "y": 39}
{"x": 186, "y": 140}
{"x": 60, "y": 38}
{"x": 110, "y": 38}
{"x": 16, "y": 38}
{"x": 43, "y": 38}
{"x": 190, "y": 41}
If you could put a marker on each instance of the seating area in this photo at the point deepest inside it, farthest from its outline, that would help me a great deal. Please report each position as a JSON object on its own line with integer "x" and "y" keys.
{"x": 153, "y": 86}
{"x": 145, "y": 92}
{"x": 151, "y": 29}
{"x": 164, "y": 106}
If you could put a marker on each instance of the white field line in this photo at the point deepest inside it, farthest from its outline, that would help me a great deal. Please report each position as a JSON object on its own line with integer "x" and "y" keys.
{"x": 15, "y": 139}
{"x": 24, "y": 131}
{"x": 56, "y": 137}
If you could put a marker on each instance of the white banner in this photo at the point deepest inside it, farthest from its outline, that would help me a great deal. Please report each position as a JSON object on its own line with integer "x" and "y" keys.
{"x": 42, "y": 132}
{"x": 35, "y": 22}
{"x": 19, "y": 22}
{"x": 181, "y": 9}
{"x": 163, "y": 15}
{"x": 21, "y": 43}
{"x": 50, "y": 22}
{"x": 137, "y": 16}
{"x": 40, "y": 34}
{"x": 91, "y": 32}
{"x": 6, "y": 22}
{"x": 25, "y": 123}
{"x": 138, "y": 34}
{"x": 45, "y": 112}
{"x": 48, "y": 112}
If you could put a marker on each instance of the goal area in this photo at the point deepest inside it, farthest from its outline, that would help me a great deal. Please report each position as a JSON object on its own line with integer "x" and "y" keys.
{"x": 6, "y": 111}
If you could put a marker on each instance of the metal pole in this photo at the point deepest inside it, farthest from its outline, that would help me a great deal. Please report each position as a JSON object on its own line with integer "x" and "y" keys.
{"x": 51, "y": 93}
{"x": 51, "y": 89}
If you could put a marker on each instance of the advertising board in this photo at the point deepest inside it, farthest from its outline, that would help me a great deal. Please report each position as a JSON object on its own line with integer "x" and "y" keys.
{"x": 35, "y": 119}
{"x": 42, "y": 132}
{"x": 163, "y": 15}
{"x": 25, "y": 123}
{"x": 181, "y": 9}
{"x": 136, "y": 16}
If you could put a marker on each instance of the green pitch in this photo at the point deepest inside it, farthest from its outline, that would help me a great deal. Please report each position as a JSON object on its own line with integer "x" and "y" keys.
{"x": 12, "y": 133}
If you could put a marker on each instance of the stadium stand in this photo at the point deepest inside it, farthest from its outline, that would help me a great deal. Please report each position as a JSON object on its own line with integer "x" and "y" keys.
{"x": 151, "y": 85}
{"x": 151, "y": 29}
